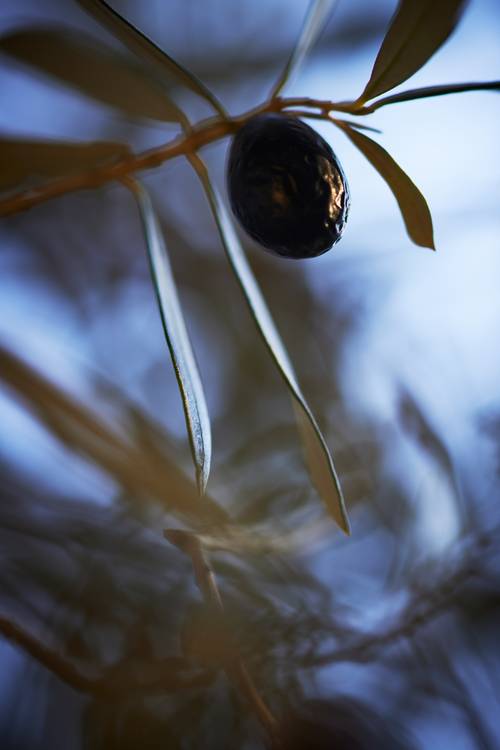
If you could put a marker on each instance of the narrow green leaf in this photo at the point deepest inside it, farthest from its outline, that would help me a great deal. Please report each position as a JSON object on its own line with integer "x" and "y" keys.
{"x": 412, "y": 204}
{"x": 183, "y": 359}
{"x": 429, "y": 91}
{"x": 94, "y": 69}
{"x": 39, "y": 161}
{"x": 314, "y": 22}
{"x": 144, "y": 48}
{"x": 417, "y": 31}
{"x": 318, "y": 457}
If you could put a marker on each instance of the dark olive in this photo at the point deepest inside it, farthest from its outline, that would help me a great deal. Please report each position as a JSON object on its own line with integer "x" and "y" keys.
{"x": 287, "y": 187}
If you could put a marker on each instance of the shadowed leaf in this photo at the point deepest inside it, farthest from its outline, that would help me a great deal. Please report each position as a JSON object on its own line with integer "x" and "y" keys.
{"x": 429, "y": 91}
{"x": 416, "y": 423}
{"x": 313, "y": 25}
{"x": 318, "y": 457}
{"x": 183, "y": 360}
{"x": 412, "y": 204}
{"x": 166, "y": 67}
{"x": 94, "y": 69}
{"x": 39, "y": 161}
{"x": 417, "y": 30}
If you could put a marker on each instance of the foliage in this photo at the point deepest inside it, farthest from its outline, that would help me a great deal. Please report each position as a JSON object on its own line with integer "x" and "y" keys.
{"x": 413, "y": 36}
{"x": 121, "y": 575}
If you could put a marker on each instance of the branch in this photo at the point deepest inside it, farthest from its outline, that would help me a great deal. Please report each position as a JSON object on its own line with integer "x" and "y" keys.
{"x": 49, "y": 659}
{"x": 426, "y": 606}
{"x": 201, "y": 134}
{"x": 234, "y": 666}
{"x": 120, "y": 679}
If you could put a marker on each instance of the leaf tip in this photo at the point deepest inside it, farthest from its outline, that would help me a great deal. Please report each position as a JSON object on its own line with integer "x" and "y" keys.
{"x": 202, "y": 479}
{"x": 427, "y": 244}
{"x": 338, "y": 510}
{"x": 344, "y": 523}
{"x": 428, "y": 240}
{"x": 180, "y": 538}
{"x": 175, "y": 536}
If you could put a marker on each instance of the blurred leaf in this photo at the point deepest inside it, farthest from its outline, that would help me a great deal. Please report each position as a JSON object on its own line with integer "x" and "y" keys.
{"x": 81, "y": 429}
{"x": 21, "y": 160}
{"x": 412, "y": 204}
{"x": 428, "y": 91}
{"x": 143, "y": 47}
{"x": 233, "y": 64}
{"x": 94, "y": 69}
{"x": 318, "y": 457}
{"x": 415, "y": 423}
{"x": 416, "y": 32}
{"x": 313, "y": 25}
{"x": 183, "y": 359}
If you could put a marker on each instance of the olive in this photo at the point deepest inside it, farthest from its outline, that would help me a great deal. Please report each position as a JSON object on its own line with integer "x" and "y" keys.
{"x": 287, "y": 187}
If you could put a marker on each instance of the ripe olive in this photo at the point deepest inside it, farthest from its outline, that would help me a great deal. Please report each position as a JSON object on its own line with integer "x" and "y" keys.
{"x": 287, "y": 187}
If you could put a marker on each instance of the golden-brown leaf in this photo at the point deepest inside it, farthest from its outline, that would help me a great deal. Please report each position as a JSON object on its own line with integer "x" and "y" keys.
{"x": 412, "y": 204}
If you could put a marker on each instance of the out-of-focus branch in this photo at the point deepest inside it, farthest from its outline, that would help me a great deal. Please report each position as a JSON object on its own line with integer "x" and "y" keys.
{"x": 424, "y": 606}
{"x": 233, "y": 665}
{"x": 167, "y": 674}
{"x": 45, "y": 656}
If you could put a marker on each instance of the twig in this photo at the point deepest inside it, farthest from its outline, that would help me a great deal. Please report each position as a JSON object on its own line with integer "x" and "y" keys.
{"x": 118, "y": 680}
{"x": 234, "y": 666}
{"x": 425, "y": 606}
{"x": 49, "y": 659}
{"x": 201, "y": 134}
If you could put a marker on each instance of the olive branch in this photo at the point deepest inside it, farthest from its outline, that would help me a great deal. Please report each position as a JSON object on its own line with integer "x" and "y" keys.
{"x": 144, "y": 87}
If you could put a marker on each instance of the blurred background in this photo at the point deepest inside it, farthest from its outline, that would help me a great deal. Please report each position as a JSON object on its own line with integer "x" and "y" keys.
{"x": 385, "y": 639}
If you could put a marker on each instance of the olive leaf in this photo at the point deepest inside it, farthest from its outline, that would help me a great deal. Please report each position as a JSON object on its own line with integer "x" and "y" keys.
{"x": 355, "y": 124}
{"x": 97, "y": 71}
{"x": 181, "y": 352}
{"x": 412, "y": 204}
{"x": 39, "y": 161}
{"x": 314, "y": 23}
{"x": 319, "y": 460}
{"x": 429, "y": 91}
{"x": 165, "y": 66}
{"x": 417, "y": 30}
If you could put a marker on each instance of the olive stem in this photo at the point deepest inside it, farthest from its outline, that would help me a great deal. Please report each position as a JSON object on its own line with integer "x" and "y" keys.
{"x": 190, "y": 141}
{"x": 325, "y": 106}
{"x": 307, "y": 115}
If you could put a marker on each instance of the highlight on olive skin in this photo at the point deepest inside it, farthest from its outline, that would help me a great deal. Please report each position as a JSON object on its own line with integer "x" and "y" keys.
{"x": 286, "y": 186}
